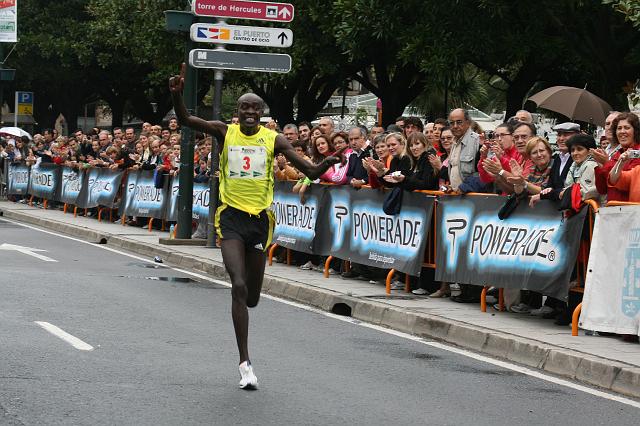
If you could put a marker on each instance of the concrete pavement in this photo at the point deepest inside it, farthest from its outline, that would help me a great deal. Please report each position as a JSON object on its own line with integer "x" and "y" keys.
{"x": 163, "y": 353}
{"x": 599, "y": 361}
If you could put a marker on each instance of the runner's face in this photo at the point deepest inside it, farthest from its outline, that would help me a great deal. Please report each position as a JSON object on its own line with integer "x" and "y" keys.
{"x": 249, "y": 113}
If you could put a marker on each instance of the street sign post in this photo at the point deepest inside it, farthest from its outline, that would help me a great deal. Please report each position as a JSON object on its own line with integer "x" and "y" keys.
{"x": 240, "y": 61}
{"x": 236, "y": 34}
{"x": 244, "y": 9}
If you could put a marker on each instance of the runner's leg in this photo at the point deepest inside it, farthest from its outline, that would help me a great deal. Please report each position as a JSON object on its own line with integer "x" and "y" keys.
{"x": 255, "y": 260}
{"x": 233, "y": 255}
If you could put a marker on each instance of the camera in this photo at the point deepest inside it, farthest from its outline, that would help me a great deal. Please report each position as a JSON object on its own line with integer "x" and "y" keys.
{"x": 489, "y": 135}
{"x": 396, "y": 173}
{"x": 634, "y": 153}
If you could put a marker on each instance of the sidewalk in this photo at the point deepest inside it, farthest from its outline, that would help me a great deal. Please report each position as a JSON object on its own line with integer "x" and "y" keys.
{"x": 605, "y": 362}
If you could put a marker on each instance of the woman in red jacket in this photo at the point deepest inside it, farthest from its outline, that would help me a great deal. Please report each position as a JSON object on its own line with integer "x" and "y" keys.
{"x": 626, "y": 132}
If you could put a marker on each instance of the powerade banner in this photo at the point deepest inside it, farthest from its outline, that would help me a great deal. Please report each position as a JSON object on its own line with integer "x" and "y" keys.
{"x": 296, "y": 223}
{"x": 100, "y": 188}
{"x": 201, "y": 194}
{"x": 18, "y": 179}
{"x": 44, "y": 181}
{"x": 70, "y": 185}
{"x": 355, "y": 228}
{"x": 141, "y": 197}
{"x": 532, "y": 249}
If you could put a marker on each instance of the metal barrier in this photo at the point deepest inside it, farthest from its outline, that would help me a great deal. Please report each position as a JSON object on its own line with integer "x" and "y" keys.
{"x": 582, "y": 263}
{"x": 4, "y": 178}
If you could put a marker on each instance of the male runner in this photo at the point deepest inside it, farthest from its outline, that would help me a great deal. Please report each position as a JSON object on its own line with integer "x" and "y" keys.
{"x": 244, "y": 220}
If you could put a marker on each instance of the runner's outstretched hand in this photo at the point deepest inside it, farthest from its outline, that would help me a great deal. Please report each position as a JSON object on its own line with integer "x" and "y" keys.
{"x": 176, "y": 83}
{"x": 337, "y": 157}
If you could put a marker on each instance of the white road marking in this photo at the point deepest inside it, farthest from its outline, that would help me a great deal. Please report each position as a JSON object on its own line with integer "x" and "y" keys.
{"x": 26, "y": 250}
{"x": 60, "y": 333}
{"x": 438, "y": 345}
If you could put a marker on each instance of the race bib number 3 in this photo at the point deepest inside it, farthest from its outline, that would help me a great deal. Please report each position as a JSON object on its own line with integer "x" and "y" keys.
{"x": 247, "y": 162}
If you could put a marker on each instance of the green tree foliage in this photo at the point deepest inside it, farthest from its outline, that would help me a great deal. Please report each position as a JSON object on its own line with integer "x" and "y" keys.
{"x": 443, "y": 53}
{"x": 630, "y": 8}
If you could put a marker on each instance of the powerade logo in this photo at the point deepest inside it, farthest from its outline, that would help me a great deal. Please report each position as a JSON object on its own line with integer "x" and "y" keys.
{"x": 71, "y": 183}
{"x": 340, "y": 218}
{"x": 100, "y": 185}
{"x": 377, "y": 234}
{"x": 520, "y": 243}
{"x": 293, "y": 220}
{"x": 456, "y": 221}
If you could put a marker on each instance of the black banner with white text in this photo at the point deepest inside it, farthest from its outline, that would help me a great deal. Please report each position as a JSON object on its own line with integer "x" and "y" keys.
{"x": 533, "y": 249}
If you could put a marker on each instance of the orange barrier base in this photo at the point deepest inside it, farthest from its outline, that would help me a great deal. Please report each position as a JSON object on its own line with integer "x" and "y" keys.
{"x": 388, "y": 281}
{"x": 272, "y": 250}
{"x": 574, "y": 319}
{"x": 326, "y": 266}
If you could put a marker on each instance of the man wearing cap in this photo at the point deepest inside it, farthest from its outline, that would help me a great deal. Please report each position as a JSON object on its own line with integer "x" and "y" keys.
{"x": 562, "y": 159}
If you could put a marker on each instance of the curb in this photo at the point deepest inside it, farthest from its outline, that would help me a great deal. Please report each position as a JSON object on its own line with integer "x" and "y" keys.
{"x": 600, "y": 372}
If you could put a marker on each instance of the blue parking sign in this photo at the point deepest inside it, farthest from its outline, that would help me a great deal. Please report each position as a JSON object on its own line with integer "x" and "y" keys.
{"x": 25, "y": 97}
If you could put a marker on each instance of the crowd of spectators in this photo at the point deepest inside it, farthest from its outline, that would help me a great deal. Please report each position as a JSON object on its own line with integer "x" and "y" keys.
{"x": 455, "y": 155}
{"x": 452, "y": 155}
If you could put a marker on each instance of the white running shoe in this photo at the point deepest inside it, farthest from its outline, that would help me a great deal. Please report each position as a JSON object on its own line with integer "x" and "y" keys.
{"x": 248, "y": 380}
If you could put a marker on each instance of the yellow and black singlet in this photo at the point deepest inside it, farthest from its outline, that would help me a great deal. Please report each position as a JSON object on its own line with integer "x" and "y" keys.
{"x": 246, "y": 169}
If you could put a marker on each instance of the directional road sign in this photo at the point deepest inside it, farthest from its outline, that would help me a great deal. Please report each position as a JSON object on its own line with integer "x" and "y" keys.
{"x": 241, "y": 61}
{"x": 236, "y": 34}
{"x": 243, "y": 9}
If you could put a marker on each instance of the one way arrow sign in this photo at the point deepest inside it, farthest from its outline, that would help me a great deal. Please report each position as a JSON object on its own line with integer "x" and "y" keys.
{"x": 285, "y": 13}
{"x": 283, "y": 37}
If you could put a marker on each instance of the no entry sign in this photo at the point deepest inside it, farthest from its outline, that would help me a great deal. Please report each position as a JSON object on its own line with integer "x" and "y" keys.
{"x": 244, "y": 9}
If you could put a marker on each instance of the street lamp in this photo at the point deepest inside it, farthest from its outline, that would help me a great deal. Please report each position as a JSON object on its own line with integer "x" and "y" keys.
{"x": 178, "y": 21}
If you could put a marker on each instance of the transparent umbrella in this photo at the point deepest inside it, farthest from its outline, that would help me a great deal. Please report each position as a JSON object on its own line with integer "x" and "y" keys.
{"x": 14, "y": 131}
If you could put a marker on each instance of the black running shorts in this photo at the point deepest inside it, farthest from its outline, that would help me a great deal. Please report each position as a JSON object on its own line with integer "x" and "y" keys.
{"x": 254, "y": 230}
